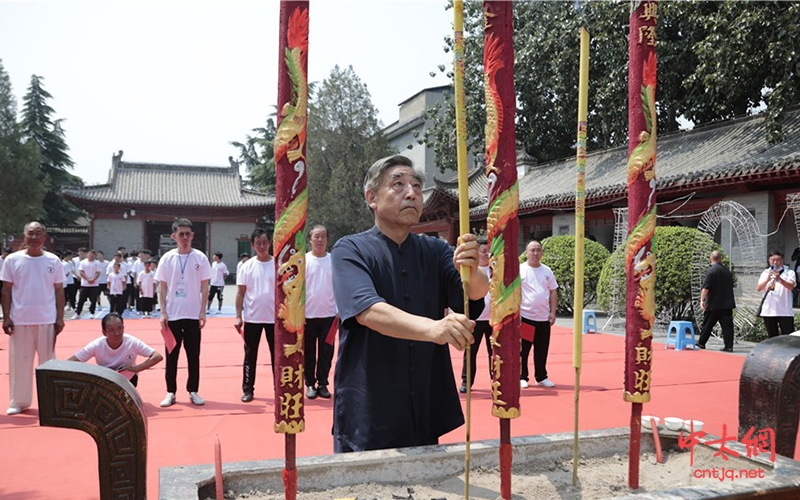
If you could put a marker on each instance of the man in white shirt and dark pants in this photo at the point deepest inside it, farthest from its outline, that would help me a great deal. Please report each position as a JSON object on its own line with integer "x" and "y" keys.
{"x": 33, "y": 311}
{"x": 90, "y": 283}
{"x": 219, "y": 271}
{"x": 538, "y": 309}
{"x": 183, "y": 275}
{"x": 255, "y": 308}
{"x": 320, "y": 313}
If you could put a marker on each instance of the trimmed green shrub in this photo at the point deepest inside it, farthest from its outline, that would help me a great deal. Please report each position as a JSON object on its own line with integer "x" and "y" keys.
{"x": 675, "y": 248}
{"x": 558, "y": 253}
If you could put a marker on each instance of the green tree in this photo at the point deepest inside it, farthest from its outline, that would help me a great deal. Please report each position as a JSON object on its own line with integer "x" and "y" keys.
{"x": 559, "y": 255}
{"x": 20, "y": 189}
{"x": 39, "y": 127}
{"x": 8, "y": 104}
{"x": 344, "y": 139}
{"x": 675, "y": 248}
{"x": 716, "y": 60}
{"x": 258, "y": 156}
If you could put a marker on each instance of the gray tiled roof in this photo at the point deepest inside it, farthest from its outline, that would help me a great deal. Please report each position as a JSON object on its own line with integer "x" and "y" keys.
{"x": 160, "y": 184}
{"x": 715, "y": 153}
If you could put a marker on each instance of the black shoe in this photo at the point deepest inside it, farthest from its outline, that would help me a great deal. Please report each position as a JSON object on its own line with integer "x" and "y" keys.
{"x": 322, "y": 391}
{"x": 463, "y": 388}
{"x": 701, "y": 346}
{"x": 727, "y": 349}
{"x": 311, "y": 393}
{"x": 247, "y": 397}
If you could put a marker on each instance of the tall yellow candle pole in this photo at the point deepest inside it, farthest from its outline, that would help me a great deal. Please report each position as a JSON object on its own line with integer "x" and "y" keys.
{"x": 463, "y": 197}
{"x": 580, "y": 209}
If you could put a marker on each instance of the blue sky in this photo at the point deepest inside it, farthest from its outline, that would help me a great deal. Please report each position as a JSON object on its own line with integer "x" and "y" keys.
{"x": 175, "y": 81}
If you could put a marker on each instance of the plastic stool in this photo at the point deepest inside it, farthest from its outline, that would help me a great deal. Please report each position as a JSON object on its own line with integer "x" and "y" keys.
{"x": 676, "y": 335}
{"x": 589, "y": 321}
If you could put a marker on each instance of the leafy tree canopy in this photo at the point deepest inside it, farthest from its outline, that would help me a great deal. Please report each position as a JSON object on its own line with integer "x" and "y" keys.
{"x": 39, "y": 127}
{"x": 716, "y": 60}
{"x": 21, "y": 191}
{"x": 8, "y": 104}
{"x": 257, "y": 154}
{"x": 344, "y": 139}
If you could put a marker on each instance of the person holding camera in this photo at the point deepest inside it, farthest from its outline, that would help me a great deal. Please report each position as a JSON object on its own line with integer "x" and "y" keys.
{"x": 777, "y": 283}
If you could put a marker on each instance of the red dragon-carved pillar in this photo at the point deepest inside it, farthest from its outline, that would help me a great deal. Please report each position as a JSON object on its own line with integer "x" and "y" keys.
{"x": 640, "y": 260}
{"x": 502, "y": 223}
{"x": 289, "y": 239}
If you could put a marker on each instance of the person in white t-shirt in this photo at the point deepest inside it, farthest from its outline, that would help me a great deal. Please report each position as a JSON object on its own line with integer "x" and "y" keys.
{"x": 137, "y": 267}
{"x": 482, "y": 327}
{"x": 70, "y": 286}
{"x": 117, "y": 281}
{"x": 777, "y": 283}
{"x": 102, "y": 282}
{"x": 146, "y": 284}
{"x": 538, "y": 309}
{"x": 3, "y": 254}
{"x": 182, "y": 276}
{"x": 33, "y": 311}
{"x": 242, "y": 259}
{"x": 320, "y": 314}
{"x": 117, "y": 351}
{"x": 219, "y": 271}
{"x": 76, "y": 263}
{"x": 90, "y": 286}
{"x": 255, "y": 308}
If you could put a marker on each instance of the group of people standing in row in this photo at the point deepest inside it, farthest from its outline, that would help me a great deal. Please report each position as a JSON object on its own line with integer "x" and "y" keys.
{"x": 127, "y": 281}
{"x": 37, "y": 284}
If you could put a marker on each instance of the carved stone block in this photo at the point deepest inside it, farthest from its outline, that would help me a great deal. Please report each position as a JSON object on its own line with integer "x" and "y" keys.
{"x": 769, "y": 391}
{"x": 103, "y": 404}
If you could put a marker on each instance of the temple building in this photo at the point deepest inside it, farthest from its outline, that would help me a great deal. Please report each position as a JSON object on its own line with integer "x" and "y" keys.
{"x": 695, "y": 170}
{"x": 137, "y": 206}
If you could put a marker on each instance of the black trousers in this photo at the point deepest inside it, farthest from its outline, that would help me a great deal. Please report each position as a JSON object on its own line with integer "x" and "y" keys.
{"x": 130, "y": 294}
{"x": 482, "y": 330}
{"x": 90, "y": 292}
{"x": 187, "y": 333}
{"x": 215, "y": 290}
{"x": 252, "y": 339}
{"x": 541, "y": 346}
{"x": 786, "y": 324}
{"x": 116, "y": 303}
{"x": 317, "y": 368}
{"x": 711, "y": 318}
{"x": 70, "y": 293}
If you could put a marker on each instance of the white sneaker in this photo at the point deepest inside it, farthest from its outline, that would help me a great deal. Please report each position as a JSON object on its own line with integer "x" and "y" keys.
{"x": 13, "y": 410}
{"x": 169, "y": 400}
{"x": 196, "y": 400}
{"x": 523, "y": 383}
{"x": 546, "y": 383}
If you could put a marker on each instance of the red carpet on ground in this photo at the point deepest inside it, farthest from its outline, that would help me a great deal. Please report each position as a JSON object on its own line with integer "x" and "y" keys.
{"x": 48, "y": 463}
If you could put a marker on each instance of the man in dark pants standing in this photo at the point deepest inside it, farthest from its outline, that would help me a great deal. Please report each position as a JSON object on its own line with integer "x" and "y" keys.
{"x": 320, "y": 313}
{"x": 183, "y": 274}
{"x": 717, "y": 302}
{"x": 538, "y": 309}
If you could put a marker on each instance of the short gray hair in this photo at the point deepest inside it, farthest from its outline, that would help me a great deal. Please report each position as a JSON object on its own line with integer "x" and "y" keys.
{"x": 375, "y": 173}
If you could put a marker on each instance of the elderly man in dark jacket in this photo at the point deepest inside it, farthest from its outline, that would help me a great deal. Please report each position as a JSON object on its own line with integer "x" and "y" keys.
{"x": 717, "y": 302}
